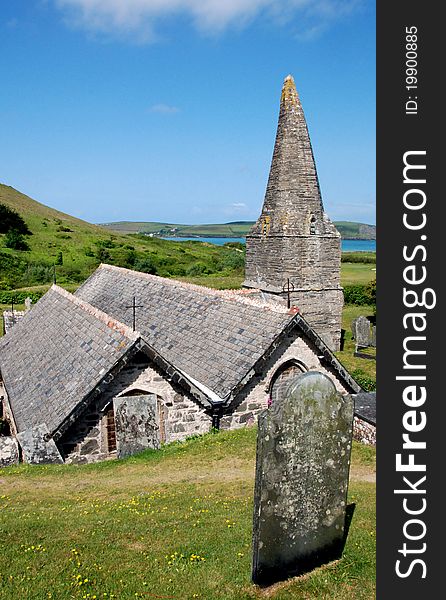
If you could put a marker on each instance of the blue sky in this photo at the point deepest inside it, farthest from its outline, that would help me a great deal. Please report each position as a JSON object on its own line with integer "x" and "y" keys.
{"x": 166, "y": 110}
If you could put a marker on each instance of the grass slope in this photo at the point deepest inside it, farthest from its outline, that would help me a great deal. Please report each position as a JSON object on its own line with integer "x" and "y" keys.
{"x": 174, "y": 524}
{"x": 347, "y": 229}
{"x": 84, "y": 246}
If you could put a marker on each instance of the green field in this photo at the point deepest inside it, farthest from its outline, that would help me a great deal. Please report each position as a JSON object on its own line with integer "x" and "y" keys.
{"x": 347, "y": 229}
{"x": 175, "y": 523}
{"x": 236, "y": 229}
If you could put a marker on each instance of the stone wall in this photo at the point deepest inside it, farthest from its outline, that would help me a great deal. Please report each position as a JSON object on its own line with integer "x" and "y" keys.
{"x": 312, "y": 265}
{"x": 86, "y": 440}
{"x": 364, "y": 432}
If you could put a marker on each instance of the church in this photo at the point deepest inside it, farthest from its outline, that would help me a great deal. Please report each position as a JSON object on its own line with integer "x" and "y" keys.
{"x": 132, "y": 361}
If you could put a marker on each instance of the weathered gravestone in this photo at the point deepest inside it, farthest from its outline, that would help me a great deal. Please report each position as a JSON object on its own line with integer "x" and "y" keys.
{"x": 136, "y": 424}
{"x": 9, "y": 451}
{"x": 38, "y": 447}
{"x": 361, "y": 332}
{"x": 303, "y": 459}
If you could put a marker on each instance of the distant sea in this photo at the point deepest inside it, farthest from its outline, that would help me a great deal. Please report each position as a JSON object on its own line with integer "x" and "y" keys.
{"x": 347, "y": 245}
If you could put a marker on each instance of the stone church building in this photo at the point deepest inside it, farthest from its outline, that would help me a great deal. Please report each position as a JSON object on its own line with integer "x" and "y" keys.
{"x": 131, "y": 360}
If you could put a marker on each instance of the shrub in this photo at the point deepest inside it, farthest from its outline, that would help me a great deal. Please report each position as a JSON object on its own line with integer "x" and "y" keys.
{"x": 59, "y": 258}
{"x": 105, "y": 243}
{"x": 8, "y": 297}
{"x": 103, "y": 255}
{"x": 146, "y": 265}
{"x": 232, "y": 261}
{"x": 358, "y": 257}
{"x": 15, "y": 240}
{"x": 11, "y": 220}
{"x": 38, "y": 273}
{"x": 198, "y": 268}
{"x": 360, "y": 294}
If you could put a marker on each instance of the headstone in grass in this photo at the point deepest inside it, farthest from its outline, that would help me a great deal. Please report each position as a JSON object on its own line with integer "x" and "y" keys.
{"x": 9, "y": 451}
{"x": 38, "y": 447}
{"x": 136, "y": 424}
{"x": 361, "y": 332}
{"x": 303, "y": 458}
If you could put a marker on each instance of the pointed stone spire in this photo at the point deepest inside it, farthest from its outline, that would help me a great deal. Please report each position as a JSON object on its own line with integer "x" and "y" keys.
{"x": 293, "y": 203}
{"x": 293, "y": 244}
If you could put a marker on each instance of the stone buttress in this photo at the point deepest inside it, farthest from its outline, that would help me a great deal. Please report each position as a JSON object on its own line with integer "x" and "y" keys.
{"x": 294, "y": 238}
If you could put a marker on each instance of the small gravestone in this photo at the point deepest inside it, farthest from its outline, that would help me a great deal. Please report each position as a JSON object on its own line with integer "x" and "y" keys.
{"x": 136, "y": 424}
{"x": 9, "y": 451}
{"x": 303, "y": 458}
{"x": 361, "y": 332}
{"x": 38, "y": 447}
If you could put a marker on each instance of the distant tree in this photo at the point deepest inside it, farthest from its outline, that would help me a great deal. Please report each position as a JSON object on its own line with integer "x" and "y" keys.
{"x": 15, "y": 240}
{"x": 59, "y": 258}
{"x": 10, "y": 219}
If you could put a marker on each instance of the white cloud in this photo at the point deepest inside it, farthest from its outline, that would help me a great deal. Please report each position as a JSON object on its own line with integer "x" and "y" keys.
{"x": 164, "y": 109}
{"x": 236, "y": 209}
{"x": 139, "y": 19}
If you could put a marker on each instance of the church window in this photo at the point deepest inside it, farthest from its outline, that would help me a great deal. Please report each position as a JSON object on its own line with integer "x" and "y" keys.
{"x": 282, "y": 379}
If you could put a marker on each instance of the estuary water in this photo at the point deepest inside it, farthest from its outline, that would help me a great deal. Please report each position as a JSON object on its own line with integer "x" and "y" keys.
{"x": 347, "y": 245}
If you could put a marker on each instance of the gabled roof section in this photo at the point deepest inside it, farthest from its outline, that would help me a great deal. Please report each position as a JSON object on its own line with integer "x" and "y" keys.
{"x": 217, "y": 339}
{"x": 213, "y": 336}
{"x": 57, "y": 355}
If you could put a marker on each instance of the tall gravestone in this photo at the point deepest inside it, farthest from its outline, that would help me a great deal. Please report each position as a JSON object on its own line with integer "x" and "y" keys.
{"x": 361, "y": 332}
{"x": 303, "y": 460}
{"x": 136, "y": 424}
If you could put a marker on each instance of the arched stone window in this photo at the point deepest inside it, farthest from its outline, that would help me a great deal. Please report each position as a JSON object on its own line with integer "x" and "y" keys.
{"x": 282, "y": 378}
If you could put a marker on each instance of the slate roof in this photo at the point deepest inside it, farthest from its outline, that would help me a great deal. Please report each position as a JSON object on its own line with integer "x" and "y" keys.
{"x": 213, "y": 336}
{"x": 365, "y": 406}
{"x": 56, "y": 355}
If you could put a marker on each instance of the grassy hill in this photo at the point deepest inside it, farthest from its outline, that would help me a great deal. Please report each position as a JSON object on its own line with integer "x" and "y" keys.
{"x": 347, "y": 229}
{"x": 81, "y": 246}
{"x": 174, "y": 523}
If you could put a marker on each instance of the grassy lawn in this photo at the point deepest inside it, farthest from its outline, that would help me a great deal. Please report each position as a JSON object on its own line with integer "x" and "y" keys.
{"x": 176, "y": 523}
{"x": 354, "y": 273}
{"x": 352, "y": 363}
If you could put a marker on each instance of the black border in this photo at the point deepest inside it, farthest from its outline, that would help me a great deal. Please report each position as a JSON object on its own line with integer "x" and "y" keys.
{"x": 397, "y": 133}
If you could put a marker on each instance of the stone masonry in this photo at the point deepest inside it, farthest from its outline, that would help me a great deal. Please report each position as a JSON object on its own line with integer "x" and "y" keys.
{"x": 294, "y": 238}
{"x": 86, "y": 440}
{"x": 254, "y": 398}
